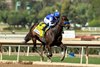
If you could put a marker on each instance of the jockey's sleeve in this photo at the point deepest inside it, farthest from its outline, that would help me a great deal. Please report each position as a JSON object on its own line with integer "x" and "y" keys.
{"x": 50, "y": 19}
{"x": 50, "y": 24}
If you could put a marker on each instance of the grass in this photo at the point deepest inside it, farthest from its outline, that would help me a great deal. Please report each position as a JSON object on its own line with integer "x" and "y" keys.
{"x": 92, "y": 60}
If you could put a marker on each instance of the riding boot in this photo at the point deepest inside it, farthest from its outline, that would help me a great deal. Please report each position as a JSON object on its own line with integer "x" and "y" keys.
{"x": 45, "y": 27}
{"x": 44, "y": 30}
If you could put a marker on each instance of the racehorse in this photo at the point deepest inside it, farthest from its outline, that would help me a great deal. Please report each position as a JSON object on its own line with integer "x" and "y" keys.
{"x": 53, "y": 36}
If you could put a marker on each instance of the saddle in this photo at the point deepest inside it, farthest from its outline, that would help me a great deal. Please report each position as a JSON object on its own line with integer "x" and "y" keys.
{"x": 41, "y": 29}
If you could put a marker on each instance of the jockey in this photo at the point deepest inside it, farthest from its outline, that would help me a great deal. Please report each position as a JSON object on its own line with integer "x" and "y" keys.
{"x": 51, "y": 19}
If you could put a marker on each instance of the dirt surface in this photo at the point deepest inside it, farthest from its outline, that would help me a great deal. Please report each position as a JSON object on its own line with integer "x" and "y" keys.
{"x": 46, "y": 64}
{"x": 26, "y": 65}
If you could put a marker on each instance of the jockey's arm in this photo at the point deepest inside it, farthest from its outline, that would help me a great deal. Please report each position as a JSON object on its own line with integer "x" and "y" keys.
{"x": 53, "y": 22}
{"x": 50, "y": 24}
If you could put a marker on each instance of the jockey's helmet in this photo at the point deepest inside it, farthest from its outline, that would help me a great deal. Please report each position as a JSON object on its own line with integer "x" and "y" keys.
{"x": 56, "y": 14}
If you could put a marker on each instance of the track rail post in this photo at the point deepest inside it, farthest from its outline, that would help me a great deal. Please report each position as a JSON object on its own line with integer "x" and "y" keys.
{"x": 0, "y": 52}
{"x": 86, "y": 54}
{"x": 82, "y": 53}
{"x": 18, "y": 53}
{"x": 28, "y": 50}
{"x": 9, "y": 50}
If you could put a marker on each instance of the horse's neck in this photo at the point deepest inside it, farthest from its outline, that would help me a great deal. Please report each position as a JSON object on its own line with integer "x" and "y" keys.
{"x": 58, "y": 28}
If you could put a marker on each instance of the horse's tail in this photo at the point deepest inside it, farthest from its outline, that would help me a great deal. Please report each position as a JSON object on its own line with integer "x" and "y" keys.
{"x": 35, "y": 24}
{"x": 27, "y": 37}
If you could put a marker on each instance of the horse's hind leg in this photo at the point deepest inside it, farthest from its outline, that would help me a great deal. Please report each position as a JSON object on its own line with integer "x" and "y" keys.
{"x": 34, "y": 44}
{"x": 63, "y": 49}
{"x": 35, "y": 49}
{"x": 42, "y": 52}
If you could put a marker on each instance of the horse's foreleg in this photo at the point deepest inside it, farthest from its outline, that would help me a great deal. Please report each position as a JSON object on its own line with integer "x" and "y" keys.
{"x": 63, "y": 49}
{"x": 35, "y": 48}
{"x": 49, "y": 52}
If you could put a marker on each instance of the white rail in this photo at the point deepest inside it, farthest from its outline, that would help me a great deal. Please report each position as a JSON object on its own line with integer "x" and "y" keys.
{"x": 83, "y": 44}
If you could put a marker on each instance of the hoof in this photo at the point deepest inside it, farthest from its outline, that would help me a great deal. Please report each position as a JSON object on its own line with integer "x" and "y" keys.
{"x": 49, "y": 55}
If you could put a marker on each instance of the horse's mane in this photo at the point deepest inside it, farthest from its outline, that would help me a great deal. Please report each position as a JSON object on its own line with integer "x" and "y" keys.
{"x": 55, "y": 29}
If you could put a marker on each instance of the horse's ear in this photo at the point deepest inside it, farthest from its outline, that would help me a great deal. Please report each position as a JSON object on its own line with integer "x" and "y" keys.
{"x": 65, "y": 18}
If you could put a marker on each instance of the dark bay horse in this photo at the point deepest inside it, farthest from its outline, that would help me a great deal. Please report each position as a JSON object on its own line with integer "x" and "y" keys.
{"x": 52, "y": 37}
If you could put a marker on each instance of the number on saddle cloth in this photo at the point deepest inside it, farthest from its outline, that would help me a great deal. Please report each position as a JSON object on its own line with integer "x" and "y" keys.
{"x": 40, "y": 29}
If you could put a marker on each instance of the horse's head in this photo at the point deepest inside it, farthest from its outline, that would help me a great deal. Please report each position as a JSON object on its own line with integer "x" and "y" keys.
{"x": 65, "y": 22}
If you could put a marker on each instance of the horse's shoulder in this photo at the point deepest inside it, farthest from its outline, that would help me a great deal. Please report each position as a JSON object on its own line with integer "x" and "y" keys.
{"x": 51, "y": 30}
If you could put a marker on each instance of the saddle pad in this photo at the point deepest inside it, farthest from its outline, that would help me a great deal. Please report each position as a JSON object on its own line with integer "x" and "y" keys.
{"x": 39, "y": 28}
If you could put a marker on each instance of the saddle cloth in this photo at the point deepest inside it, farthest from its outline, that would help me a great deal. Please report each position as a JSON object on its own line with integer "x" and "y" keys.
{"x": 39, "y": 29}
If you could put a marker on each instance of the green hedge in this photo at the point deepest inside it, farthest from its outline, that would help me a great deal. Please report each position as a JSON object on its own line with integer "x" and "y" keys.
{"x": 94, "y": 23}
{"x": 17, "y": 18}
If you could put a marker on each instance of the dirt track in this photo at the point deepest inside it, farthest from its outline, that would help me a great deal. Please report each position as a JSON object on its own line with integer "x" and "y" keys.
{"x": 46, "y": 64}
{"x": 27, "y": 65}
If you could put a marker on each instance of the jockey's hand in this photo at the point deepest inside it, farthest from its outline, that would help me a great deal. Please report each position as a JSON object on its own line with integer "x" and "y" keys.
{"x": 50, "y": 24}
